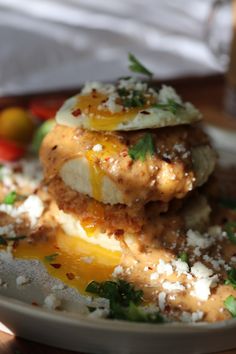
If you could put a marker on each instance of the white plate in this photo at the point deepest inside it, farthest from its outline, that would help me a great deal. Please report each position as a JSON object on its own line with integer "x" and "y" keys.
{"x": 73, "y": 331}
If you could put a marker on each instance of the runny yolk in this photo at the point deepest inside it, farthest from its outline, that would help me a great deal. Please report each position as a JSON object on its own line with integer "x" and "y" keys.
{"x": 73, "y": 260}
{"x": 103, "y": 119}
{"x": 111, "y": 147}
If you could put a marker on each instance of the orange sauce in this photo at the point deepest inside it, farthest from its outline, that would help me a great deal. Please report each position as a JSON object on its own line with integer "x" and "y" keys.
{"x": 70, "y": 263}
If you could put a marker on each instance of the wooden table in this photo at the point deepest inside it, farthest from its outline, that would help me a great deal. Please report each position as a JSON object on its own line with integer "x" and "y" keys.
{"x": 207, "y": 94}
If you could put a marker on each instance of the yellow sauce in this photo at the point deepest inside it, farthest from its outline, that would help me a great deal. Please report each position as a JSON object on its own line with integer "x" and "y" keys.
{"x": 103, "y": 119}
{"x": 71, "y": 265}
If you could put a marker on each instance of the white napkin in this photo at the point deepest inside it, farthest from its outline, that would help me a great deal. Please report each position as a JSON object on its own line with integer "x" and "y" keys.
{"x": 56, "y": 44}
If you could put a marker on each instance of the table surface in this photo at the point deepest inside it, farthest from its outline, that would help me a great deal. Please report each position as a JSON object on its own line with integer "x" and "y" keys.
{"x": 207, "y": 93}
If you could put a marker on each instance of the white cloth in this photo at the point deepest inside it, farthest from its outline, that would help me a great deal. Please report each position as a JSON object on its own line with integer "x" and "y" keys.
{"x": 54, "y": 44}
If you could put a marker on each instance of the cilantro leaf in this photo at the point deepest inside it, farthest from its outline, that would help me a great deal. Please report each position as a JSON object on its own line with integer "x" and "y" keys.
{"x": 143, "y": 147}
{"x": 183, "y": 256}
{"x": 120, "y": 292}
{"x": 10, "y": 198}
{"x": 131, "y": 99}
{"x": 133, "y": 313}
{"x": 124, "y": 301}
{"x": 171, "y": 106}
{"x": 51, "y": 257}
{"x": 137, "y": 67}
{"x": 230, "y": 305}
{"x": 230, "y": 229}
{"x": 231, "y": 280}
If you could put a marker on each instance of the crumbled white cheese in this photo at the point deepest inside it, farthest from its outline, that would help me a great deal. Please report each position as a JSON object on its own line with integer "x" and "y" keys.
{"x": 132, "y": 84}
{"x": 202, "y": 287}
{"x": 191, "y": 317}
{"x": 98, "y": 86}
{"x": 177, "y": 286}
{"x": 162, "y": 300}
{"x": 8, "y": 230}
{"x": 97, "y": 148}
{"x": 22, "y": 280}
{"x": 51, "y": 302}
{"x": 167, "y": 93}
{"x": 154, "y": 276}
{"x": 199, "y": 270}
{"x": 33, "y": 206}
{"x": 181, "y": 267}
{"x": 196, "y": 239}
{"x": 164, "y": 268}
{"x": 59, "y": 286}
{"x": 111, "y": 104}
{"x": 117, "y": 271}
{"x": 99, "y": 313}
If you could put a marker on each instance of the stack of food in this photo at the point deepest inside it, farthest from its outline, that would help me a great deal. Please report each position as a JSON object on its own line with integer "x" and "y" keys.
{"x": 125, "y": 164}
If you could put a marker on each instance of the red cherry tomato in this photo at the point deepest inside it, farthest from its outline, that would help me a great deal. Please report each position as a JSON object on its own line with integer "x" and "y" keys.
{"x": 46, "y": 108}
{"x": 10, "y": 151}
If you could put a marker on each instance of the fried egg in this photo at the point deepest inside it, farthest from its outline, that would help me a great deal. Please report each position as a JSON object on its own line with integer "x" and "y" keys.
{"x": 130, "y": 105}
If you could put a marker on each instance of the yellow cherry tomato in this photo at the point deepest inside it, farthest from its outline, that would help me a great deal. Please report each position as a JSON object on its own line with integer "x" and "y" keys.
{"x": 15, "y": 124}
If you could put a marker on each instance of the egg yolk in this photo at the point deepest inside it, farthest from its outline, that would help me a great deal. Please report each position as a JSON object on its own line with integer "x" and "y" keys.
{"x": 101, "y": 118}
{"x": 71, "y": 259}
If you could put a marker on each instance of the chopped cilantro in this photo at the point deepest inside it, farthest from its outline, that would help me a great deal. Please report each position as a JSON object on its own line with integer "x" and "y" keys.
{"x": 183, "y": 256}
{"x": 230, "y": 229}
{"x": 143, "y": 147}
{"x": 131, "y": 99}
{"x": 231, "y": 280}
{"x": 10, "y": 198}
{"x": 230, "y": 305}
{"x": 228, "y": 203}
{"x": 171, "y": 106}
{"x": 124, "y": 301}
{"x": 51, "y": 257}
{"x": 120, "y": 292}
{"x": 137, "y": 67}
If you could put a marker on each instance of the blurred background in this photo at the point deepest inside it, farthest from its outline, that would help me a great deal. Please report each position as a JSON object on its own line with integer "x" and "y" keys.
{"x": 54, "y": 44}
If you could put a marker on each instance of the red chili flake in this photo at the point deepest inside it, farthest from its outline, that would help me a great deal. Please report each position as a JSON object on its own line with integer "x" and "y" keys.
{"x": 76, "y": 113}
{"x": 119, "y": 232}
{"x": 55, "y": 265}
{"x": 150, "y": 268}
{"x": 107, "y": 158}
{"x": 34, "y": 303}
{"x": 70, "y": 276}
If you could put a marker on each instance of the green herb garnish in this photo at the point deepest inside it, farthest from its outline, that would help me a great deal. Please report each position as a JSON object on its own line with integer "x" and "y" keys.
{"x": 120, "y": 292}
{"x": 137, "y": 67}
{"x": 51, "y": 257}
{"x": 124, "y": 301}
{"x": 131, "y": 99}
{"x": 228, "y": 203}
{"x": 230, "y": 305}
{"x": 171, "y": 106}
{"x": 183, "y": 256}
{"x": 10, "y": 198}
{"x": 231, "y": 280}
{"x": 145, "y": 146}
{"x": 40, "y": 134}
{"x": 230, "y": 229}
